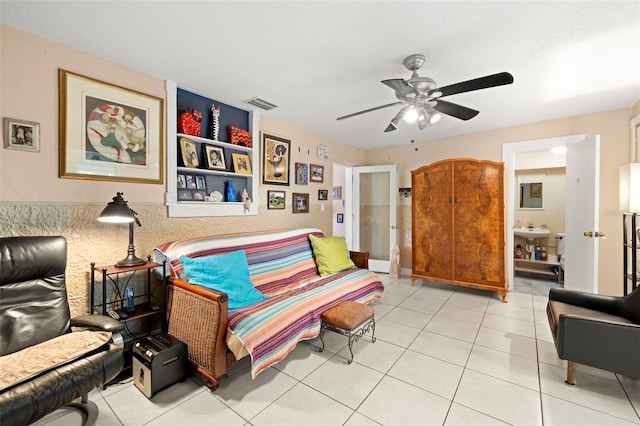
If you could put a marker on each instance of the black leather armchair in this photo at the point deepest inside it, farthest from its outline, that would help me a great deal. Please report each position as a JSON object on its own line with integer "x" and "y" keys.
{"x": 35, "y": 331}
{"x": 596, "y": 330}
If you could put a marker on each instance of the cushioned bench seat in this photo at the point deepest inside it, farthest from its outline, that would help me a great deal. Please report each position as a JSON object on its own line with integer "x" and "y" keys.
{"x": 351, "y": 319}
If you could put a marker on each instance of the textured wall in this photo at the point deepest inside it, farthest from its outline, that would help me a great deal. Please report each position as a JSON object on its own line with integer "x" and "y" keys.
{"x": 92, "y": 241}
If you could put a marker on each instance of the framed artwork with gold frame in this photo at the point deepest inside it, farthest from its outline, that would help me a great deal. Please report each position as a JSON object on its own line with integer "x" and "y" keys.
{"x": 108, "y": 132}
{"x": 241, "y": 163}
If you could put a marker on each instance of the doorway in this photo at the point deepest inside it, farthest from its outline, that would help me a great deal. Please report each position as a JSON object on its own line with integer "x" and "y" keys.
{"x": 509, "y": 150}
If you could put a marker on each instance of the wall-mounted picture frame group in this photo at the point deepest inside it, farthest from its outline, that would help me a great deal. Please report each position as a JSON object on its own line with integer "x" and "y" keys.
{"x": 316, "y": 173}
{"x": 323, "y": 194}
{"x": 109, "y": 132}
{"x": 214, "y": 157}
{"x": 302, "y": 174}
{"x": 241, "y": 163}
{"x": 21, "y": 135}
{"x": 276, "y": 157}
{"x": 300, "y": 203}
{"x": 189, "y": 150}
{"x": 276, "y": 200}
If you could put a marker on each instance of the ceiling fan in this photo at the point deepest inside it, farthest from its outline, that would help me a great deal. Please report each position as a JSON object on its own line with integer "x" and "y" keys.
{"x": 422, "y": 99}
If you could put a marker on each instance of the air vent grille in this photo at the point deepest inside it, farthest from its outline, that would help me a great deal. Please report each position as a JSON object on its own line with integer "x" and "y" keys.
{"x": 260, "y": 103}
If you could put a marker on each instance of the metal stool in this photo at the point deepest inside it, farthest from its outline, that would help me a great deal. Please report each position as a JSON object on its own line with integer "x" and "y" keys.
{"x": 351, "y": 319}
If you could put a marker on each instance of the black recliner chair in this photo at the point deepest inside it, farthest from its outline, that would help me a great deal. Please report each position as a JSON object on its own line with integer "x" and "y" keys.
{"x": 596, "y": 330}
{"x": 43, "y": 364}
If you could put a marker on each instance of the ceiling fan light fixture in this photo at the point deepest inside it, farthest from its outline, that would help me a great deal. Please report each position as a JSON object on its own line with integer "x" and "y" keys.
{"x": 411, "y": 115}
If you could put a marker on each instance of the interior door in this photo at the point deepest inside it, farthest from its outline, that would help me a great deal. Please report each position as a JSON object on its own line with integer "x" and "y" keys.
{"x": 374, "y": 213}
{"x": 581, "y": 217}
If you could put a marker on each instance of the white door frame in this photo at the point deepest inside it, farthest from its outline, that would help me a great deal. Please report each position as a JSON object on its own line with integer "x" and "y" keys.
{"x": 509, "y": 150}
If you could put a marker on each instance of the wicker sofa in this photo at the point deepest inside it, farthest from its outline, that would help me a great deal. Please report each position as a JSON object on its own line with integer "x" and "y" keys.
{"x": 282, "y": 267}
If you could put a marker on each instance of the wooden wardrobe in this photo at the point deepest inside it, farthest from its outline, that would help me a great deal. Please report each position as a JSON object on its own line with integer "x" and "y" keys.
{"x": 458, "y": 227}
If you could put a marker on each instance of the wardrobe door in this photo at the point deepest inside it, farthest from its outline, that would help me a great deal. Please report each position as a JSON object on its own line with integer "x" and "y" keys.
{"x": 432, "y": 233}
{"x": 478, "y": 223}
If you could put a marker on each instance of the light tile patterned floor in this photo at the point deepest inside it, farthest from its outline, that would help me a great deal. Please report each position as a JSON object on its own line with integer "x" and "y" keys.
{"x": 445, "y": 355}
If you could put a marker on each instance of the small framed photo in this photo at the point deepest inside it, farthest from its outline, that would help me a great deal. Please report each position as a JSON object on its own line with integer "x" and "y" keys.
{"x": 189, "y": 153}
{"x": 182, "y": 181}
{"x": 241, "y": 163}
{"x": 214, "y": 156}
{"x": 185, "y": 194}
{"x": 323, "y": 194}
{"x": 340, "y": 218}
{"x": 276, "y": 200}
{"x": 201, "y": 182}
{"x": 199, "y": 195}
{"x": 21, "y": 135}
{"x": 302, "y": 174}
{"x": 300, "y": 203}
{"x": 191, "y": 182}
{"x": 317, "y": 173}
{"x": 337, "y": 193}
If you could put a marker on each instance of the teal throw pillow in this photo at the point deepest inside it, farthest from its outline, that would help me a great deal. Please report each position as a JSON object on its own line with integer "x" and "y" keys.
{"x": 226, "y": 273}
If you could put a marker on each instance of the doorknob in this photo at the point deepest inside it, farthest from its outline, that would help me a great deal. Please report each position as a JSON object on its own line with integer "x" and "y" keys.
{"x": 595, "y": 234}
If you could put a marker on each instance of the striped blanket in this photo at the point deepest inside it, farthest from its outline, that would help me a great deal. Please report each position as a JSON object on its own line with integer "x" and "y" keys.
{"x": 281, "y": 266}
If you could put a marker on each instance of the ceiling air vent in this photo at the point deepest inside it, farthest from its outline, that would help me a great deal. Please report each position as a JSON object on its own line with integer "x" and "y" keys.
{"x": 261, "y": 103}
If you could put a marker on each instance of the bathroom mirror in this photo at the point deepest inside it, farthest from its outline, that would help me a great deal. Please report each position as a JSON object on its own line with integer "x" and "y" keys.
{"x": 531, "y": 195}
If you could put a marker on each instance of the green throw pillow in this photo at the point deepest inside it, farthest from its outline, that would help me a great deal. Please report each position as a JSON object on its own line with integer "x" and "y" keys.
{"x": 226, "y": 273}
{"x": 331, "y": 254}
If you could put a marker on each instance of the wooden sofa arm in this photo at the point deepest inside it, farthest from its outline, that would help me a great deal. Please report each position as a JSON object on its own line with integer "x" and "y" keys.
{"x": 198, "y": 316}
{"x": 360, "y": 258}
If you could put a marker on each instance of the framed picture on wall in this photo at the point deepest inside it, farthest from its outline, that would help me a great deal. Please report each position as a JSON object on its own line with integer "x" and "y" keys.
{"x": 337, "y": 193}
{"x": 317, "y": 173}
{"x": 302, "y": 173}
{"x": 340, "y": 218}
{"x": 109, "y": 132}
{"x": 323, "y": 194}
{"x": 276, "y": 200}
{"x": 21, "y": 135}
{"x": 276, "y": 157}
{"x": 300, "y": 203}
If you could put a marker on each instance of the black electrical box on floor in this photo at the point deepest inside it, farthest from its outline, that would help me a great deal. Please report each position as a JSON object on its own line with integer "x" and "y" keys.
{"x": 158, "y": 362}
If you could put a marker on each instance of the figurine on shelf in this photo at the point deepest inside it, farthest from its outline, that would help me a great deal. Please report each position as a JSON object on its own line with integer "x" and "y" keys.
{"x": 189, "y": 122}
{"x": 215, "y": 122}
{"x": 231, "y": 195}
{"x": 246, "y": 200}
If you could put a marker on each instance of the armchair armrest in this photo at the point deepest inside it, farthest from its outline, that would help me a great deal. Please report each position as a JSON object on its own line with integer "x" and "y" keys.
{"x": 598, "y": 302}
{"x": 360, "y": 258}
{"x": 97, "y": 322}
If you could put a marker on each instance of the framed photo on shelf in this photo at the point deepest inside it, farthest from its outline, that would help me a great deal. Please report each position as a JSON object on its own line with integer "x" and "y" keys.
{"x": 182, "y": 181}
{"x": 317, "y": 173}
{"x": 302, "y": 174}
{"x": 300, "y": 203}
{"x": 189, "y": 151}
{"x": 276, "y": 200}
{"x": 214, "y": 156}
{"x": 21, "y": 135}
{"x": 185, "y": 194}
{"x": 191, "y": 182}
{"x": 108, "y": 132}
{"x": 276, "y": 155}
{"x": 199, "y": 195}
{"x": 323, "y": 194}
{"x": 201, "y": 182}
{"x": 241, "y": 163}
{"x": 337, "y": 193}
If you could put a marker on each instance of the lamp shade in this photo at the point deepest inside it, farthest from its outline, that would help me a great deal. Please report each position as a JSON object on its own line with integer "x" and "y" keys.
{"x": 630, "y": 188}
{"x": 117, "y": 211}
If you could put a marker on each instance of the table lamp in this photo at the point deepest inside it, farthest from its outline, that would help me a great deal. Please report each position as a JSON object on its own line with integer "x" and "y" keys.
{"x": 118, "y": 211}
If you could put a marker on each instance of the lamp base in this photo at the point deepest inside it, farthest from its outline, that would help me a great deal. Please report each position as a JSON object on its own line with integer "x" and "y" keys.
{"x": 131, "y": 260}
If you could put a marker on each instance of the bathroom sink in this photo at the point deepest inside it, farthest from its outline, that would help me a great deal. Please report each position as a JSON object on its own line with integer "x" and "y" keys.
{"x": 531, "y": 233}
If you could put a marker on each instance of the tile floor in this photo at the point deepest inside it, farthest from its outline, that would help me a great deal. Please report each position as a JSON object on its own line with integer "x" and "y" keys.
{"x": 444, "y": 355}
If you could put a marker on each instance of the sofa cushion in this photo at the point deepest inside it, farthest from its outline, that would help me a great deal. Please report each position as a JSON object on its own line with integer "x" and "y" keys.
{"x": 331, "y": 254}
{"x": 33, "y": 360}
{"x": 226, "y": 273}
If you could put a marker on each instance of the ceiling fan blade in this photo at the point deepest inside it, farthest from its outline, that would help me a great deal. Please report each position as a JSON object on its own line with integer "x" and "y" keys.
{"x": 493, "y": 80}
{"x": 398, "y": 84}
{"x": 369, "y": 110}
{"x": 455, "y": 110}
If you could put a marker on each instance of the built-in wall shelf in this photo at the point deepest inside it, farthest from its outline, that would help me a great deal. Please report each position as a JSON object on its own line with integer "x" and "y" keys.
{"x": 540, "y": 267}
{"x": 212, "y": 180}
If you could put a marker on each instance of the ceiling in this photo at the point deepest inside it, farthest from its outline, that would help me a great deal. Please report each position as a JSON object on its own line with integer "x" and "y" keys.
{"x": 318, "y": 60}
